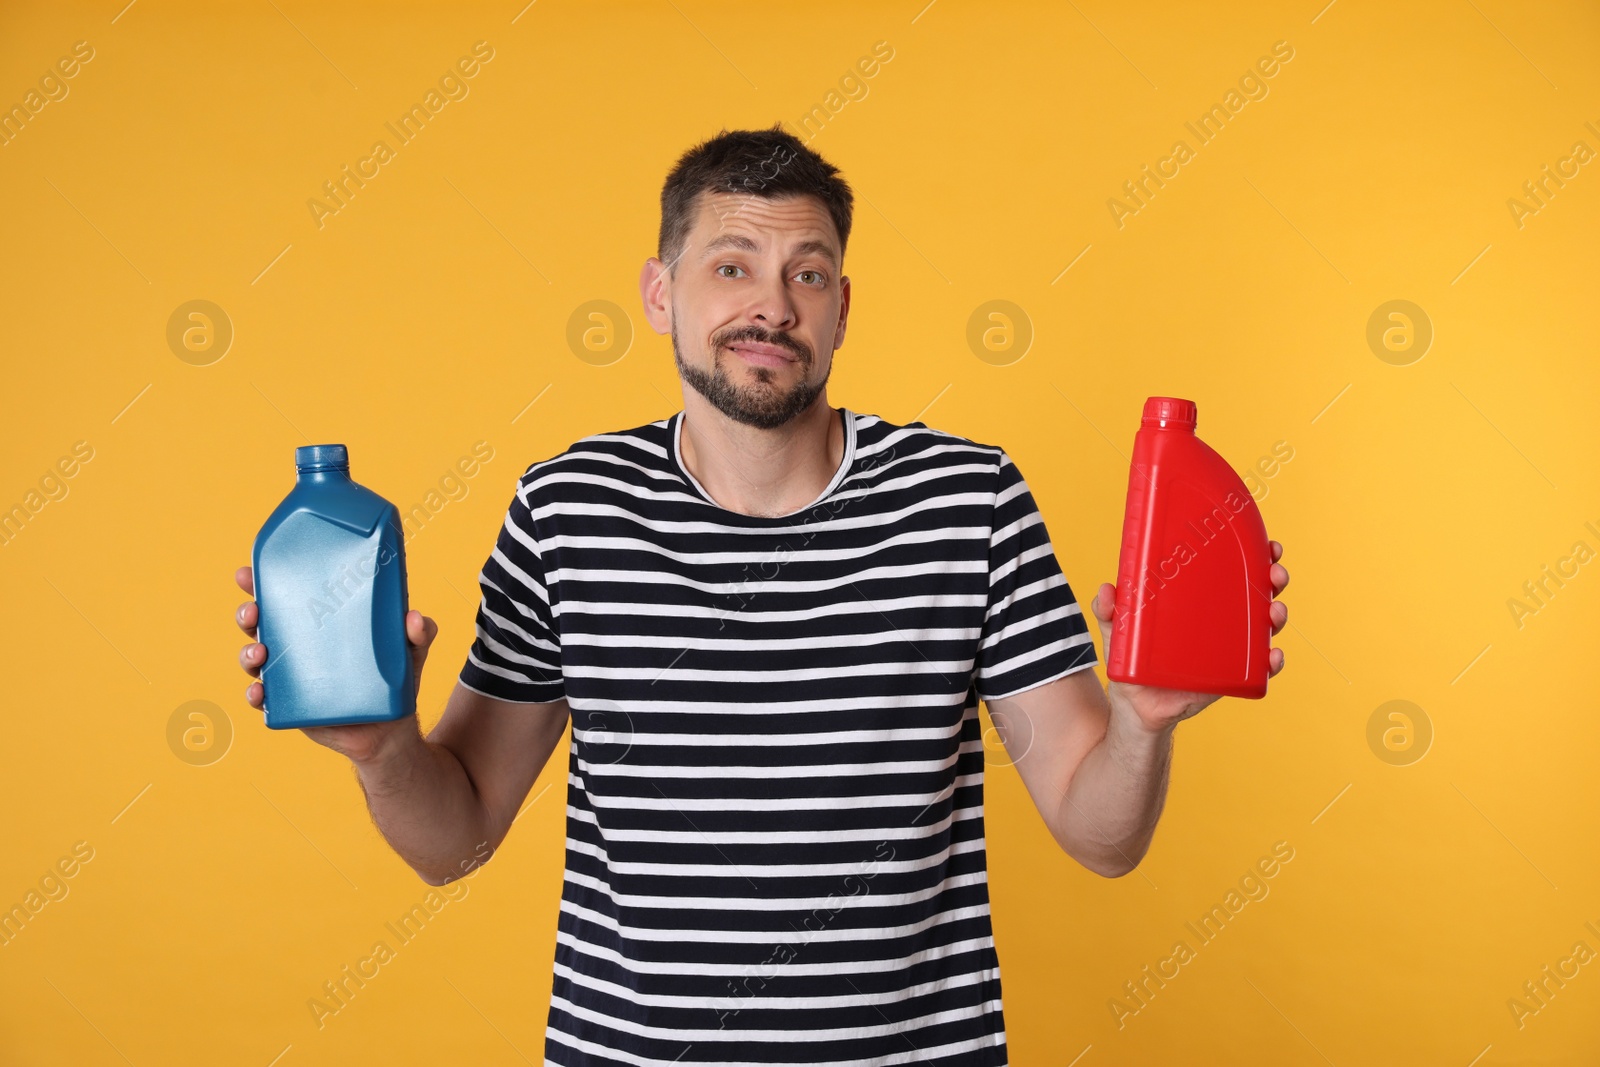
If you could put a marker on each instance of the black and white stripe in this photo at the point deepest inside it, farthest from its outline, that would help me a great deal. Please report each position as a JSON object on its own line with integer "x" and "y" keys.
{"x": 775, "y": 844}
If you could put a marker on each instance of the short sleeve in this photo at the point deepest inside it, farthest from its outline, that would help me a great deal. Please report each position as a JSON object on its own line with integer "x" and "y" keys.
{"x": 516, "y": 655}
{"x": 1034, "y": 631}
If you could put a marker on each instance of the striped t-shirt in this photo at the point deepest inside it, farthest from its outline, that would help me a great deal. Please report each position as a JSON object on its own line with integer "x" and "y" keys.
{"x": 775, "y": 843}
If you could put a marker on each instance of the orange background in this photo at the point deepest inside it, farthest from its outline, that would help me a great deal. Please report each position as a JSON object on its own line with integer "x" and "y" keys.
{"x": 235, "y": 871}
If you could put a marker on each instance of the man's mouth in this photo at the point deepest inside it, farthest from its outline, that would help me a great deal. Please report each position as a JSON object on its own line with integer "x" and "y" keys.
{"x": 764, "y": 354}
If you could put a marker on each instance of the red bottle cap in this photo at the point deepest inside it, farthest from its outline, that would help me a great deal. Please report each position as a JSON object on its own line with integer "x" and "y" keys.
{"x": 1169, "y": 412}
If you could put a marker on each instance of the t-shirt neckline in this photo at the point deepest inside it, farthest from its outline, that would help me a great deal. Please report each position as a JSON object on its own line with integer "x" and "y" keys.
{"x": 845, "y": 463}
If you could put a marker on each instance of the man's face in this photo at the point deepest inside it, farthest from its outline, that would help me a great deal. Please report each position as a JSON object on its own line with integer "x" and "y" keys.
{"x": 755, "y": 304}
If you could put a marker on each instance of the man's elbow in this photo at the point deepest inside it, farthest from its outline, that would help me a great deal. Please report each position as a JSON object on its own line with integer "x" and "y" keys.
{"x": 1107, "y": 866}
{"x": 444, "y": 876}
{"x": 435, "y": 880}
{"x": 1113, "y": 870}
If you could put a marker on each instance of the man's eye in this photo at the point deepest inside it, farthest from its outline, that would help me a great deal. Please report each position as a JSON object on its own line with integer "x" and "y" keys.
{"x": 728, "y": 266}
{"x": 815, "y": 277}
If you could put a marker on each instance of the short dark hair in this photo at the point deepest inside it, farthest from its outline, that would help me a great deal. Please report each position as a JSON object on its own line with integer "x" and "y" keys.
{"x": 769, "y": 163}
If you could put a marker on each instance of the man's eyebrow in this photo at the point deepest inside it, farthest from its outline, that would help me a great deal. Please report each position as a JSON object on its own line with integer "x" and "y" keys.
{"x": 745, "y": 244}
{"x": 729, "y": 240}
{"x": 821, "y": 248}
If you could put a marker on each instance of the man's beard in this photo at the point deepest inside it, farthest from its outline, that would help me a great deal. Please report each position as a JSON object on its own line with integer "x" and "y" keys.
{"x": 765, "y": 407}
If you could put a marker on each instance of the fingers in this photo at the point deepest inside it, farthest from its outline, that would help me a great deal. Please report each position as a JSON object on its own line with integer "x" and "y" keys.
{"x": 1280, "y": 573}
{"x": 1279, "y": 612}
{"x": 251, "y": 658}
{"x": 253, "y": 655}
{"x": 247, "y": 617}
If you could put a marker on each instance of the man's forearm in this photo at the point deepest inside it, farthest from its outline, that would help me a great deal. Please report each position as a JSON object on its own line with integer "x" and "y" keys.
{"x": 1110, "y": 809}
{"x": 425, "y": 805}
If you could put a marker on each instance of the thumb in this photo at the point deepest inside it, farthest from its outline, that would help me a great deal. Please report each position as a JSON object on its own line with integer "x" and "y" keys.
{"x": 1105, "y": 604}
{"x": 420, "y": 630}
{"x": 1105, "y": 601}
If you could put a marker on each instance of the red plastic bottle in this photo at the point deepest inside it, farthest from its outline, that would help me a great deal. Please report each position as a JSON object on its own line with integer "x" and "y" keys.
{"x": 1194, "y": 582}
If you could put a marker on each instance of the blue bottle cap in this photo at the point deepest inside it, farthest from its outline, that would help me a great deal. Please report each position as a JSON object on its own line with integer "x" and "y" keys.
{"x": 321, "y": 458}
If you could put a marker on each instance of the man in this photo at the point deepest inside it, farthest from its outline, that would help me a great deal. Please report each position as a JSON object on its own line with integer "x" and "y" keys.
{"x": 771, "y": 622}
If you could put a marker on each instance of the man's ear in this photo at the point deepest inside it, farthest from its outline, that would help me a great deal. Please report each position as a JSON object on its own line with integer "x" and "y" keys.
{"x": 844, "y": 312}
{"x": 655, "y": 290}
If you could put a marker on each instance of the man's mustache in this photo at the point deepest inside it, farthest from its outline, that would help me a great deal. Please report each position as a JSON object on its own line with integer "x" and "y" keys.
{"x": 766, "y": 337}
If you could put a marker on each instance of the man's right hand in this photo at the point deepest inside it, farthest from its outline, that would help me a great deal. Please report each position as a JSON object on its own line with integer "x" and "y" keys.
{"x": 361, "y": 742}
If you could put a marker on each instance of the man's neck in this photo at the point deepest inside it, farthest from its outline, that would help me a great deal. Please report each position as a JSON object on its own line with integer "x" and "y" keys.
{"x": 767, "y": 473}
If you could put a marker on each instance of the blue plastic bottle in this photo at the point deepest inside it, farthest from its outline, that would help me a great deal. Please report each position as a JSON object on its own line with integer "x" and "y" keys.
{"x": 330, "y": 580}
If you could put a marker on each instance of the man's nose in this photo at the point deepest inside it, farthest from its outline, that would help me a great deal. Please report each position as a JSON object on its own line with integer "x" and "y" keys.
{"x": 772, "y": 306}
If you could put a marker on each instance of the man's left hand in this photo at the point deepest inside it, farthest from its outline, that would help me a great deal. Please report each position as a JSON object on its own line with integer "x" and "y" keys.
{"x": 1156, "y": 709}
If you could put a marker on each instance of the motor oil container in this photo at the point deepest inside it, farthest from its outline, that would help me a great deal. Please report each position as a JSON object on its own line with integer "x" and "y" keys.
{"x": 1194, "y": 584}
{"x": 330, "y": 582}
